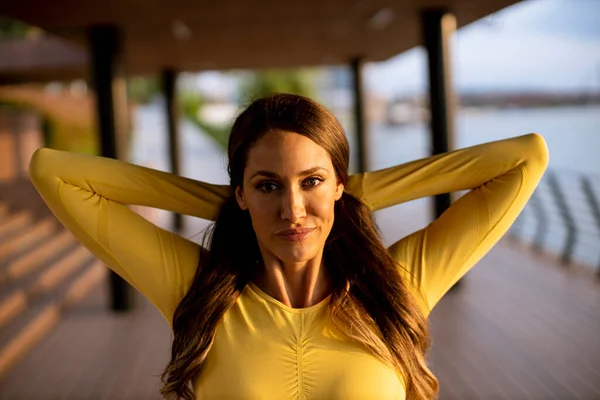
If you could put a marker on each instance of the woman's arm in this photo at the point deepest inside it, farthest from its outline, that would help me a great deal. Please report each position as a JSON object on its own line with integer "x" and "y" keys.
{"x": 88, "y": 195}
{"x": 501, "y": 176}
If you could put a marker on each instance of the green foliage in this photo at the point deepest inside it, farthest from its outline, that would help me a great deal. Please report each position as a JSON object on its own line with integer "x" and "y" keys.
{"x": 265, "y": 83}
{"x": 58, "y": 133}
{"x": 191, "y": 105}
{"x": 11, "y": 28}
{"x": 142, "y": 89}
{"x": 253, "y": 85}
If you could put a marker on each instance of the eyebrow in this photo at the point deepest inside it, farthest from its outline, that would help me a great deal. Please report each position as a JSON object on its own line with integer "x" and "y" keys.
{"x": 273, "y": 175}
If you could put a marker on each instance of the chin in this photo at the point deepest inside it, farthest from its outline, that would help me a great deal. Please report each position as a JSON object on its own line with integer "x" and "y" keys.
{"x": 296, "y": 254}
{"x": 296, "y": 257}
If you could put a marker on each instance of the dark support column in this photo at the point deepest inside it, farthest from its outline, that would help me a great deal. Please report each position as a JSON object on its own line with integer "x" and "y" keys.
{"x": 105, "y": 46}
{"x": 438, "y": 25}
{"x": 169, "y": 80}
{"x": 359, "y": 114}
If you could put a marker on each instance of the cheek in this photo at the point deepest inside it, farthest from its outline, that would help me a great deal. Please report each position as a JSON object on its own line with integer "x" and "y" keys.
{"x": 325, "y": 200}
{"x": 263, "y": 212}
{"x": 322, "y": 208}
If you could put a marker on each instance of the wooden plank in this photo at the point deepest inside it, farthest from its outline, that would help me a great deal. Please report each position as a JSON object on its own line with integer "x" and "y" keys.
{"x": 21, "y": 242}
{"x": 14, "y": 222}
{"x": 35, "y": 259}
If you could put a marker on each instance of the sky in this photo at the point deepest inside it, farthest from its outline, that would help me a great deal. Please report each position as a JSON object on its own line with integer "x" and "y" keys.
{"x": 551, "y": 45}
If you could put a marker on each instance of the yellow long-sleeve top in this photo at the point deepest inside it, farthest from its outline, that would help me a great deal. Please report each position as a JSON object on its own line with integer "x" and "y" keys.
{"x": 264, "y": 349}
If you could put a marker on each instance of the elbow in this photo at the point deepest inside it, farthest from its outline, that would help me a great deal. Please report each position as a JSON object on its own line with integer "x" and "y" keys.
{"x": 538, "y": 154}
{"x": 37, "y": 168}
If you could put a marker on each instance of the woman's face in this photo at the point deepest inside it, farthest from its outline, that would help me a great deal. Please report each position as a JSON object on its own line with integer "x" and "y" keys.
{"x": 290, "y": 189}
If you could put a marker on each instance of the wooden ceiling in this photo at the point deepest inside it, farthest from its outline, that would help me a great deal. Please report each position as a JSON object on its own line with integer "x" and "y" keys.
{"x": 200, "y": 35}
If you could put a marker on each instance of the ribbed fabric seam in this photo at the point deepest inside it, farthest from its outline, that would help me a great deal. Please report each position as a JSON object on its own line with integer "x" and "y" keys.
{"x": 299, "y": 355}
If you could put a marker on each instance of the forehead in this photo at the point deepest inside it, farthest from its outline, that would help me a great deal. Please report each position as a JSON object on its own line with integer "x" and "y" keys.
{"x": 286, "y": 153}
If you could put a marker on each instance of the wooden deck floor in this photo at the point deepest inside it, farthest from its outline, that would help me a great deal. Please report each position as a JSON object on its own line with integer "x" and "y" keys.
{"x": 518, "y": 327}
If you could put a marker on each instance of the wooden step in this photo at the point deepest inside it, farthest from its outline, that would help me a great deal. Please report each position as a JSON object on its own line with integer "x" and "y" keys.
{"x": 35, "y": 259}
{"x": 88, "y": 281}
{"x": 32, "y": 324}
{"x": 14, "y": 223}
{"x": 59, "y": 271}
{"x": 10, "y": 283}
{"x": 12, "y": 305}
{"x": 51, "y": 277}
{"x": 3, "y": 210}
{"x": 38, "y": 323}
{"x": 27, "y": 238}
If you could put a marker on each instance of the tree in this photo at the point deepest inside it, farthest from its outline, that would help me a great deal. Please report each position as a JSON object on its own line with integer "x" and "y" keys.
{"x": 253, "y": 85}
{"x": 191, "y": 105}
{"x": 260, "y": 84}
{"x": 142, "y": 89}
{"x": 12, "y": 28}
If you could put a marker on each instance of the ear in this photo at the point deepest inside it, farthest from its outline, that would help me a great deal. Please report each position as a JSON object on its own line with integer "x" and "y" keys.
{"x": 239, "y": 196}
{"x": 339, "y": 191}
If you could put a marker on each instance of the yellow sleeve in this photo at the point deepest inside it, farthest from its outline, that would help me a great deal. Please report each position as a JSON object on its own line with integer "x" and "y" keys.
{"x": 500, "y": 176}
{"x": 89, "y": 194}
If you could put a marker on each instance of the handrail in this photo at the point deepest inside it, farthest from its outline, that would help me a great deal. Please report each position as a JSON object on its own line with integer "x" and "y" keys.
{"x": 592, "y": 199}
{"x": 566, "y": 215}
{"x": 568, "y": 207}
{"x": 539, "y": 212}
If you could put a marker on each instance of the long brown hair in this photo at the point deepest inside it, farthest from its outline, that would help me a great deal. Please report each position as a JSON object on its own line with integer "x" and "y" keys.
{"x": 370, "y": 303}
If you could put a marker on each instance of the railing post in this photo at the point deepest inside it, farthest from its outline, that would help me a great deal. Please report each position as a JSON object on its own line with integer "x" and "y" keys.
{"x": 566, "y": 216}
{"x": 594, "y": 204}
{"x": 542, "y": 222}
{"x": 514, "y": 232}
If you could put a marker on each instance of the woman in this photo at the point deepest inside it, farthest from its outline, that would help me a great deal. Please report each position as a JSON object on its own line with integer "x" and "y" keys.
{"x": 296, "y": 296}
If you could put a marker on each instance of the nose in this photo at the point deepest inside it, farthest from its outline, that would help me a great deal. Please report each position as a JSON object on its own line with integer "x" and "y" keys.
{"x": 292, "y": 205}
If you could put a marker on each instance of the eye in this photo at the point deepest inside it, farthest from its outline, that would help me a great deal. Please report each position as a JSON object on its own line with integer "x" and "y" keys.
{"x": 267, "y": 186}
{"x": 312, "y": 181}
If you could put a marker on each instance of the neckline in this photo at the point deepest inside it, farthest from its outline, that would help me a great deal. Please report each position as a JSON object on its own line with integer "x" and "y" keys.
{"x": 263, "y": 295}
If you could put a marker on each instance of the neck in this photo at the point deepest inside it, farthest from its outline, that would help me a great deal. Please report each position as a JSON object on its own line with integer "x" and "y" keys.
{"x": 296, "y": 285}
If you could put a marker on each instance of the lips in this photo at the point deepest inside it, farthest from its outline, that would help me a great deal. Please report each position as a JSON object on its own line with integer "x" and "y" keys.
{"x": 295, "y": 234}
